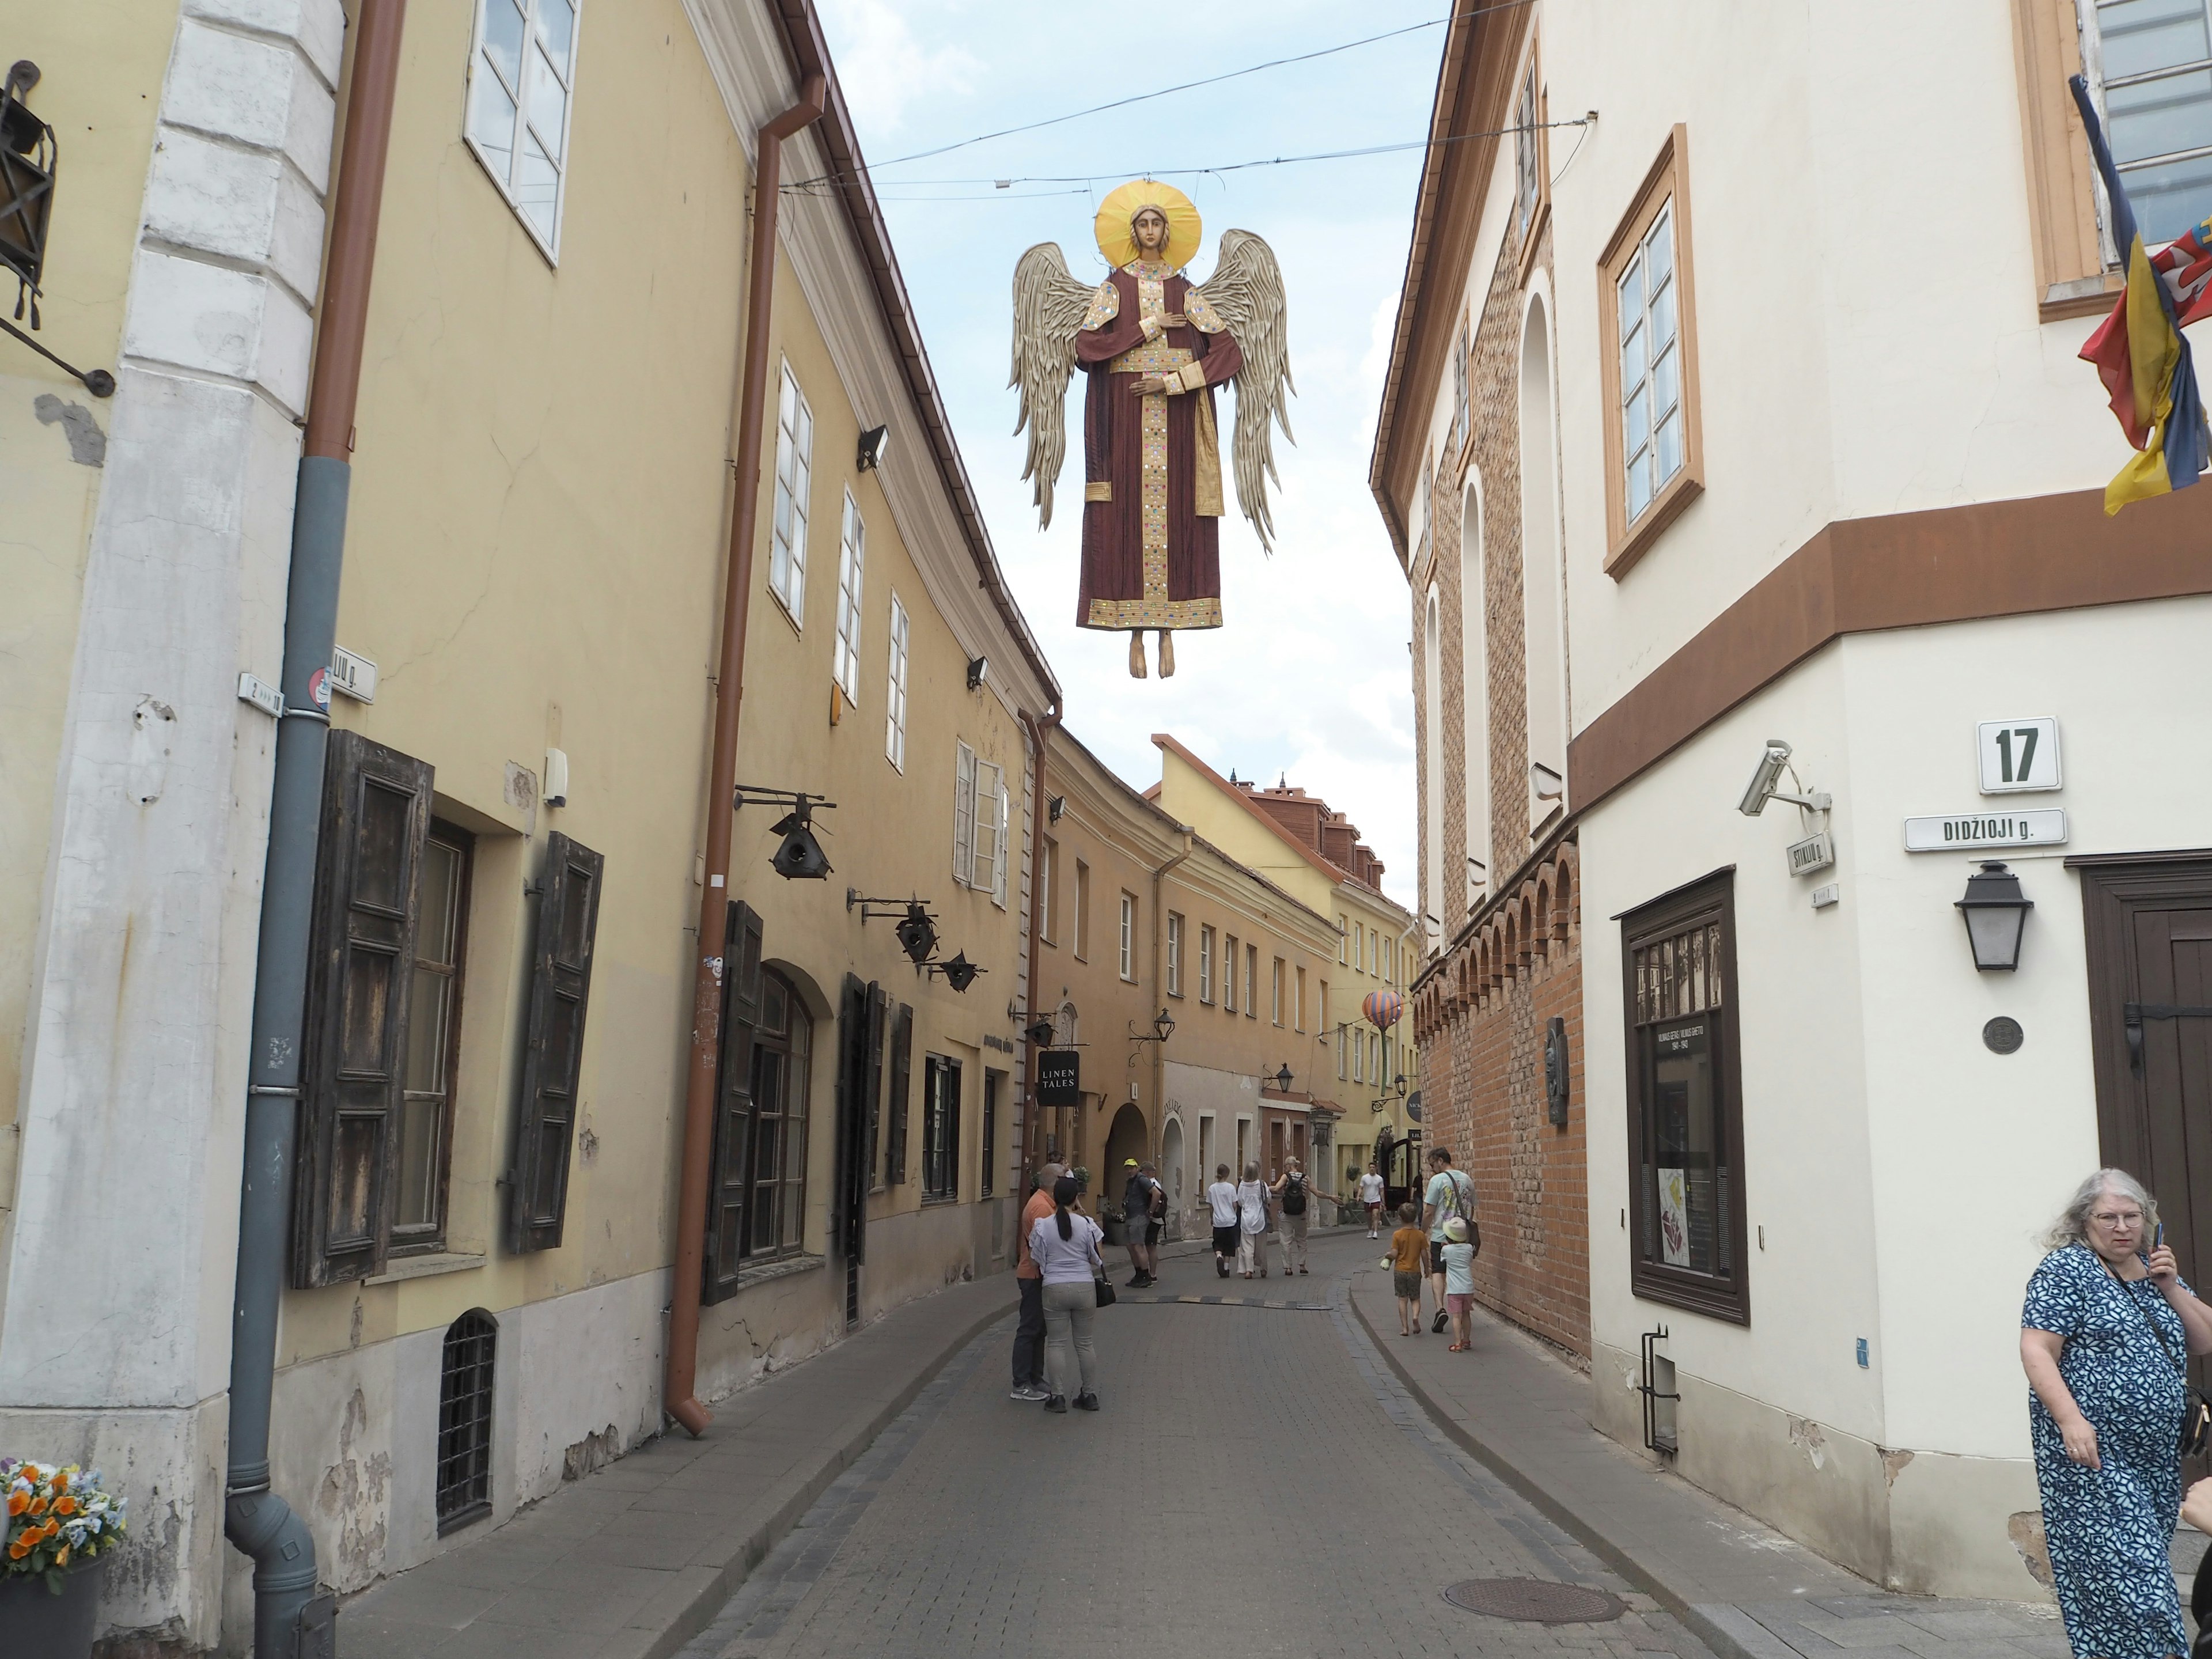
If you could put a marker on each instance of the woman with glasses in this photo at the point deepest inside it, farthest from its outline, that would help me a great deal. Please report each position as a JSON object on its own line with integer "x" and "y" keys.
{"x": 2106, "y": 1336}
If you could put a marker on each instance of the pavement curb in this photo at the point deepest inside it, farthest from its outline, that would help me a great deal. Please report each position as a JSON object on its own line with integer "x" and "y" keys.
{"x": 1729, "y": 1632}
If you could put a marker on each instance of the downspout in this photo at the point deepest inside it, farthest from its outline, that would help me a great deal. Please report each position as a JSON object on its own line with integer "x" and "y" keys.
{"x": 1159, "y": 988}
{"x": 1040, "y": 736}
{"x": 679, "y": 1391}
{"x": 256, "y": 1520}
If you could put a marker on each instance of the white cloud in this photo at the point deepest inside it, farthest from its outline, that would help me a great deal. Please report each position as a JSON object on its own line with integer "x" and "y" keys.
{"x": 884, "y": 69}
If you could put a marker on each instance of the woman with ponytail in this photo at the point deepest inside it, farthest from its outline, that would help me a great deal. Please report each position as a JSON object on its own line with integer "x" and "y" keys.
{"x": 1065, "y": 1245}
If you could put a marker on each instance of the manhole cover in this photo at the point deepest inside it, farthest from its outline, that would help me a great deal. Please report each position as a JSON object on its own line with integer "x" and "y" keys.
{"x": 1534, "y": 1601}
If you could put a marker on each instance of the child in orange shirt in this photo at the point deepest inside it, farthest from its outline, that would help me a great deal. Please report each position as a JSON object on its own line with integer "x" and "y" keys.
{"x": 1409, "y": 1249}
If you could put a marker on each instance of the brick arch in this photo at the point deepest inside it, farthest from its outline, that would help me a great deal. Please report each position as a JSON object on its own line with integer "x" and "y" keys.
{"x": 1532, "y": 943}
{"x": 1515, "y": 959}
{"x": 1544, "y": 933}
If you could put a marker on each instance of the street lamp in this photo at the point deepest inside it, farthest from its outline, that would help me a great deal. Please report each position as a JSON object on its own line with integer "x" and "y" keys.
{"x": 1996, "y": 915}
{"x": 1282, "y": 1079}
{"x": 1163, "y": 1029}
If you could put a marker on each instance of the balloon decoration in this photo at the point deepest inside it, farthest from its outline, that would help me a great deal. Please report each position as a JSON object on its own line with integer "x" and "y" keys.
{"x": 1383, "y": 1008}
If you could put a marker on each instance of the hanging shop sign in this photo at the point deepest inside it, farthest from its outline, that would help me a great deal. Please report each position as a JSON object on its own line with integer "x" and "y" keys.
{"x": 1966, "y": 832}
{"x": 1059, "y": 1077}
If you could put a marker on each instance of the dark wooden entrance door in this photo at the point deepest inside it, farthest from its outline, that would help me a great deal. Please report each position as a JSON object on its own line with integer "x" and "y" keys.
{"x": 2149, "y": 939}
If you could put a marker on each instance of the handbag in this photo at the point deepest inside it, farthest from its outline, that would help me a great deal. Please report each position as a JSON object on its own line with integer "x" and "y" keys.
{"x": 1104, "y": 1287}
{"x": 2196, "y": 1407}
{"x": 1463, "y": 1205}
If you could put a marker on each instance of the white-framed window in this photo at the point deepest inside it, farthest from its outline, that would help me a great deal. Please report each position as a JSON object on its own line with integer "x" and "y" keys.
{"x": 1650, "y": 365}
{"x": 979, "y": 824}
{"x": 1252, "y": 982}
{"x": 852, "y": 571}
{"x": 1175, "y": 954}
{"x": 1128, "y": 937}
{"x": 1528, "y": 155}
{"x": 2145, "y": 61}
{"x": 521, "y": 76}
{"x": 1360, "y": 1056}
{"x": 794, "y": 471}
{"x": 1343, "y": 942}
{"x": 1343, "y": 1064}
{"x": 1081, "y": 912}
{"x": 1047, "y": 892}
{"x": 1229, "y": 975}
{"x": 1275, "y": 990}
{"x": 895, "y": 693}
{"x": 1205, "y": 964}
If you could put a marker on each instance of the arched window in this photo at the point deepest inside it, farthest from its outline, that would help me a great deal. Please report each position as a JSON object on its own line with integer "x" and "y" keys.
{"x": 1542, "y": 574}
{"x": 1474, "y": 682}
{"x": 1434, "y": 903}
{"x": 465, "y": 1391}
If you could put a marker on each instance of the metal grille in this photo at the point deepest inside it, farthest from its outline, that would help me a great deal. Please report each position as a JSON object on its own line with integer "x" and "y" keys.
{"x": 464, "y": 1420}
{"x": 1534, "y": 1601}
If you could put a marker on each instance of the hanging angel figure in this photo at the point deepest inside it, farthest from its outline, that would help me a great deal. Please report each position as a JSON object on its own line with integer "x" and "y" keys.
{"x": 1154, "y": 345}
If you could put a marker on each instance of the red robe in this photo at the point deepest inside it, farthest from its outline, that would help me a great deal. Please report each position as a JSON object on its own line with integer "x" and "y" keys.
{"x": 1152, "y": 466}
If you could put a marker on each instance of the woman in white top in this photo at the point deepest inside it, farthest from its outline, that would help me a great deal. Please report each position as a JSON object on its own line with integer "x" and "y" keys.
{"x": 1370, "y": 1194}
{"x": 1222, "y": 1195}
{"x": 1065, "y": 1246}
{"x": 1252, "y": 1222}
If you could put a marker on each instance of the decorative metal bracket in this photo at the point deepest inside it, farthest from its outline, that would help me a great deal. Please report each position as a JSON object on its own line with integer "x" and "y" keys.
{"x": 2137, "y": 1013}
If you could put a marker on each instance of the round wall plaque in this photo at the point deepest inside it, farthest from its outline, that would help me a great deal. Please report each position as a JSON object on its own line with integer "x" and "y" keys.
{"x": 2002, "y": 1036}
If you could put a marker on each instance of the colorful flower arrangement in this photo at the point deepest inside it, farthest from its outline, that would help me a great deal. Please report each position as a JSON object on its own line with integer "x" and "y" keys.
{"x": 56, "y": 1517}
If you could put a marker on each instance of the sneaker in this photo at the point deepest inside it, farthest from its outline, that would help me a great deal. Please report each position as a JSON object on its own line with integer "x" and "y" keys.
{"x": 1220, "y": 1269}
{"x": 1138, "y": 1282}
{"x": 1442, "y": 1320}
{"x": 1055, "y": 1402}
{"x": 1029, "y": 1394}
{"x": 1087, "y": 1401}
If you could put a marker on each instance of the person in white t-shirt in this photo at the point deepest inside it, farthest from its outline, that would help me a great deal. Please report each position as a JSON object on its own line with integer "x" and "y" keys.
{"x": 1222, "y": 1196}
{"x": 1252, "y": 1222}
{"x": 1370, "y": 1194}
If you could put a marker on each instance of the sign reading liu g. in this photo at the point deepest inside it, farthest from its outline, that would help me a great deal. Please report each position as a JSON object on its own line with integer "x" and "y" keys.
{"x": 1059, "y": 1077}
{"x": 1966, "y": 832}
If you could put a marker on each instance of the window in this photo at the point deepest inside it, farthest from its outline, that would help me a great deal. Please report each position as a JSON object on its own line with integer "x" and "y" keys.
{"x": 464, "y": 1397}
{"x": 794, "y": 469}
{"x": 1359, "y": 1042}
{"x": 1685, "y": 1109}
{"x": 1343, "y": 1059}
{"x": 774, "y": 1148}
{"x": 1082, "y": 911}
{"x": 852, "y": 564}
{"x": 520, "y": 73}
{"x": 1175, "y": 954}
{"x": 1532, "y": 179}
{"x": 1128, "y": 937}
{"x": 992, "y": 1080}
{"x": 1047, "y": 892}
{"x": 1205, "y": 964}
{"x": 1462, "y": 352}
{"x": 1321, "y": 1023}
{"x": 1298, "y": 1002}
{"x": 1252, "y": 982}
{"x": 895, "y": 693}
{"x": 980, "y": 813}
{"x": 1542, "y": 579}
{"x": 1433, "y": 765}
{"x": 1229, "y": 975}
{"x": 940, "y": 1130}
{"x": 1343, "y": 942}
{"x": 1649, "y": 362}
{"x": 433, "y": 1040}
{"x": 1275, "y": 990}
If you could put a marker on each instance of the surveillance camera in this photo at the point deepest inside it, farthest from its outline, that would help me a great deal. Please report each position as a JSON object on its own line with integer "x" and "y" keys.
{"x": 1761, "y": 789}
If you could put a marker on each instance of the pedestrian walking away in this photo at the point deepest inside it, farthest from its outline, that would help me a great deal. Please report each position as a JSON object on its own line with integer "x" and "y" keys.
{"x": 2105, "y": 1335}
{"x": 1251, "y": 1222}
{"x": 1066, "y": 1246}
{"x": 1370, "y": 1194}
{"x": 1029, "y": 1280}
{"x": 1144, "y": 1201}
{"x": 1221, "y": 1196}
{"x": 1291, "y": 1192}
{"x": 1450, "y": 1193}
{"x": 1409, "y": 1250}
{"x": 1459, "y": 1283}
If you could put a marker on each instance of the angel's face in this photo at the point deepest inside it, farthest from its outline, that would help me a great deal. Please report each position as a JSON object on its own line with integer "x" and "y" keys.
{"x": 1149, "y": 228}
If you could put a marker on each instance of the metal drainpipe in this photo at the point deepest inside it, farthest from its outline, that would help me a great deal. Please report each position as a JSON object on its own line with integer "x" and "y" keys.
{"x": 679, "y": 1388}
{"x": 1159, "y": 990}
{"x": 1040, "y": 735}
{"x": 256, "y": 1520}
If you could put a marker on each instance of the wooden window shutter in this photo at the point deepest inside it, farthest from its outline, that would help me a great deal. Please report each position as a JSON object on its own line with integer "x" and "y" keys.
{"x": 878, "y": 1029}
{"x": 727, "y": 1173}
{"x": 902, "y": 1071}
{"x": 369, "y": 884}
{"x": 552, "y": 1059}
{"x": 848, "y": 1207}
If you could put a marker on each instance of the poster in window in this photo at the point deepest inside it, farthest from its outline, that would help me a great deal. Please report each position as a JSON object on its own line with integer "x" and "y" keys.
{"x": 1674, "y": 1219}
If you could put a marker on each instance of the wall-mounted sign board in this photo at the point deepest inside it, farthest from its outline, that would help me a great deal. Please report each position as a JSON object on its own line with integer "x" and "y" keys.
{"x": 1967, "y": 832}
{"x": 1814, "y": 853}
{"x": 2017, "y": 755}
{"x": 1059, "y": 1077}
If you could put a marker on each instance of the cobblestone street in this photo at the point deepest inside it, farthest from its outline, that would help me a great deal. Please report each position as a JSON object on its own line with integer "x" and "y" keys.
{"x": 1257, "y": 1483}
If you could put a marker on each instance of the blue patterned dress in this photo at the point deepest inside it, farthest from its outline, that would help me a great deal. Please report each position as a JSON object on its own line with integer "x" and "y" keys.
{"x": 2110, "y": 1529}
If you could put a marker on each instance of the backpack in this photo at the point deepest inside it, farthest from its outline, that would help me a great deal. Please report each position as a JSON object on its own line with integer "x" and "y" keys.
{"x": 1294, "y": 1195}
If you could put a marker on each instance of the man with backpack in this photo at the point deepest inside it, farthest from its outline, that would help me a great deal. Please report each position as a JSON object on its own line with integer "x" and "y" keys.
{"x": 1450, "y": 1193}
{"x": 1144, "y": 1204}
{"x": 1291, "y": 1191}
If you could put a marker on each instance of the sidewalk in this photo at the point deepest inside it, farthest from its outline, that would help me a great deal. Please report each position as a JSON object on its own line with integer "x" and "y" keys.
{"x": 631, "y": 1562}
{"x": 1746, "y": 1590}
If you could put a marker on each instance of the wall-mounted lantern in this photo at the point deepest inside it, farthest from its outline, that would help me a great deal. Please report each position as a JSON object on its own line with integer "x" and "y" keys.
{"x": 959, "y": 973}
{"x": 1282, "y": 1079}
{"x": 979, "y": 670}
{"x": 873, "y": 442}
{"x": 29, "y": 157}
{"x": 1996, "y": 915}
{"x": 798, "y": 856}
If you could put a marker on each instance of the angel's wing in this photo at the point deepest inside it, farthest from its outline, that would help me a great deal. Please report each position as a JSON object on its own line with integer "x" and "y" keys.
{"x": 1246, "y": 290}
{"x": 1049, "y": 306}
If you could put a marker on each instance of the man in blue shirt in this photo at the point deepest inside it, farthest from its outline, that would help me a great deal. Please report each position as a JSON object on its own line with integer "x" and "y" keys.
{"x": 1450, "y": 1193}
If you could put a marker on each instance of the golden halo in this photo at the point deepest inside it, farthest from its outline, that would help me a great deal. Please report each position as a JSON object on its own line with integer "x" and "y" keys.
{"x": 1120, "y": 205}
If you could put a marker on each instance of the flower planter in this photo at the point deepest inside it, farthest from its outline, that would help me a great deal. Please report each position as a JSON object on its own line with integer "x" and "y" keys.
{"x": 33, "y": 1620}
{"x": 1117, "y": 1232}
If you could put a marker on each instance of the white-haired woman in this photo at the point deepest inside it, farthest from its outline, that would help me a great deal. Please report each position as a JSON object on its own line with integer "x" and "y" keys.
{"x": 2106, "y": 1333}
{"x": 1252, "y": 1222}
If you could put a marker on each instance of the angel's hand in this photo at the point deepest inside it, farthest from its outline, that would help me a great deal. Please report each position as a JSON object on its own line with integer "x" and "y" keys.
{"x": 1146, "y": 385}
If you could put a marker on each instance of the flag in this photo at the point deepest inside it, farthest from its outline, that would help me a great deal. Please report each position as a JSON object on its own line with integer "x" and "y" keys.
{"x": 2140, "y": 352}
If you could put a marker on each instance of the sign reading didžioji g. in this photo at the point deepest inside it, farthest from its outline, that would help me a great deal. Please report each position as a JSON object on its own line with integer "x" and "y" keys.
{"x": 1059, "y": 1077}
{"x": 1966, "y": 832}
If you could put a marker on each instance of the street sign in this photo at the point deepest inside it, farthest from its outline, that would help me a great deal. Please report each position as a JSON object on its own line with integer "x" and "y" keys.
{"x": 2018, "y": 755}
{"x": 1965, "y": 832}
{"x": 1814, "y": 853}
{"x": 1059, "y": 1077}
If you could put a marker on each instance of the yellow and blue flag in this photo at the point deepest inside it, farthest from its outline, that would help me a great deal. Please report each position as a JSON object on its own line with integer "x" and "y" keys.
{"x": 2140, "y": 351}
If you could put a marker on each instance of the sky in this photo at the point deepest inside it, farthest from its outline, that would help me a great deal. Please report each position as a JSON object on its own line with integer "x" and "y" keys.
{"x": 1309, "y": 677}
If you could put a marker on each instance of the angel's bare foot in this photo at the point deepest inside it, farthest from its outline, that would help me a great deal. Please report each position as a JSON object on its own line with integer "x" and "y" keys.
{"x": 1167, "y": 652}
{"x": 1137, "y": 655}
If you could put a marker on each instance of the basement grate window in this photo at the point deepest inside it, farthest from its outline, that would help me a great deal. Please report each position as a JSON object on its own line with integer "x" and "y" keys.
{"x": 464, "y": 1420}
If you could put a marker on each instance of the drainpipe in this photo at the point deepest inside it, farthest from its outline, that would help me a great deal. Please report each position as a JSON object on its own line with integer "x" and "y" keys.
{"x": 1159, "y": 987}
{"x": 1040, "y": 736}
{"x": 256, "y": 1520}
{"x": 679, "y": 1390}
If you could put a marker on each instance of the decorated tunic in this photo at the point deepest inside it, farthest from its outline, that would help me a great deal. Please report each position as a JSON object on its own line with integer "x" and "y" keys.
{"x": 1151, "y": 493}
